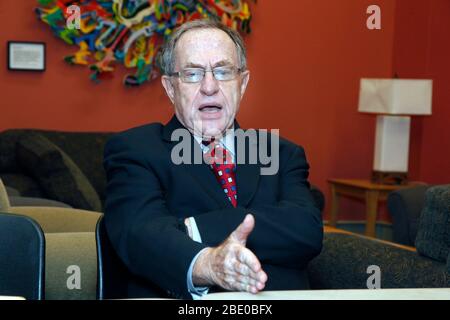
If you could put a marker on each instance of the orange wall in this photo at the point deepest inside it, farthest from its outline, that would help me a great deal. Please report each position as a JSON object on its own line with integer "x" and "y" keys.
{"x": 422, "y": 50}
{"x": 306, "y": 59}
{"x": 435, "y": 155}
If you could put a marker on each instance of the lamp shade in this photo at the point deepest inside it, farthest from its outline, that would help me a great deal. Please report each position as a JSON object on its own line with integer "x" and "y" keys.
{"x": 396, "y": 96}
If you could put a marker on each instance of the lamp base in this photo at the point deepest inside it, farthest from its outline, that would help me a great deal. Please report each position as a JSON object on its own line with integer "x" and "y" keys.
{"x": 391, "y": 178}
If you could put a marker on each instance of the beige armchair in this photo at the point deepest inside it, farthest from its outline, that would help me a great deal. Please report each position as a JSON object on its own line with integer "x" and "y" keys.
{"x": 70, "y": 248}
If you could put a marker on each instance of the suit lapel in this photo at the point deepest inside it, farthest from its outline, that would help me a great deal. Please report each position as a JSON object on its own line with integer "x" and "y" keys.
{"x": 247, "y": 175}
{"x": 201, "y": 173}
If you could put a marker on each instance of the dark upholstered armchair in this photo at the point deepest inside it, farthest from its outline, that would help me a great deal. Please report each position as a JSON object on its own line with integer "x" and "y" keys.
{"x": 405, "y": 206}
{"x": 22, "y": 254}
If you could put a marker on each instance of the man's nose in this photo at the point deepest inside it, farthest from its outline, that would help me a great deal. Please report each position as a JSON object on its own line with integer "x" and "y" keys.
{"x": 209, "y": 84}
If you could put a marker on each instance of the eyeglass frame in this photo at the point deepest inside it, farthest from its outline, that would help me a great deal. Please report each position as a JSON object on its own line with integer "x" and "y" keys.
{"x": 178, "y": 73}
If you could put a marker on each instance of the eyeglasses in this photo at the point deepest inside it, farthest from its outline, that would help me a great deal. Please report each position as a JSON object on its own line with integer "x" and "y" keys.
{"x": 195, "y": 75}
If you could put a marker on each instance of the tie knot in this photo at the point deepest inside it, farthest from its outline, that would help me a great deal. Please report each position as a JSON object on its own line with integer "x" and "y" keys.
{"x": 216, "y": 153}
{"x": 206, "y": 143}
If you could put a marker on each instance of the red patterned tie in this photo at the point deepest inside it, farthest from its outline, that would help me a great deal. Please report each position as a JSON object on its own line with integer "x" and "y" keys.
{"x": 223, "y": 168}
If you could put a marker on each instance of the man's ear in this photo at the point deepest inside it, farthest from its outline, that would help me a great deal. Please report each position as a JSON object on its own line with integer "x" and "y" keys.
{"x": 168, "y": 86}
{"x": 245, "y": 77}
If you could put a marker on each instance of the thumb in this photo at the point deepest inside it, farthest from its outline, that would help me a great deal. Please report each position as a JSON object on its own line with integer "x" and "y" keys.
{"x": 244, "y": 229}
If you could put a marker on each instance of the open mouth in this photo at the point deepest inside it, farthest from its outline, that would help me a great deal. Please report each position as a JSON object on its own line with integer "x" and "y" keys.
{"x": 210, "y": 108}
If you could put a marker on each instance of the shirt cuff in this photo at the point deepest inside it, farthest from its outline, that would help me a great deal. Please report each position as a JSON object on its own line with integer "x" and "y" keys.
{"x": 196, "y": 292}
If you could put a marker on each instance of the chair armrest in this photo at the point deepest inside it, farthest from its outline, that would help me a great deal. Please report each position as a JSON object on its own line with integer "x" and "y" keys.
{"x": 345, "y": 258}
{"x": 405, "y": 206}
{"x": 70, "y": 249}
{"x": 55, "y": 220}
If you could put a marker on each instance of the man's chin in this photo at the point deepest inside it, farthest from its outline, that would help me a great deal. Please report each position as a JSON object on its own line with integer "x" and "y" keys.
{"x": 216, "y": 134}
{"x": 211, "y": 129}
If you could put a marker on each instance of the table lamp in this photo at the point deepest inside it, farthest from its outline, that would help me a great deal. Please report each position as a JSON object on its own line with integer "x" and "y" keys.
{"x": 394, "y": 100}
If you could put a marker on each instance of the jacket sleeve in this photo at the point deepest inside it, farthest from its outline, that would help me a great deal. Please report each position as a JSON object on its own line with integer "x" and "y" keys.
{"x": 150, "y": 240}
{"x": 288, "y": 233}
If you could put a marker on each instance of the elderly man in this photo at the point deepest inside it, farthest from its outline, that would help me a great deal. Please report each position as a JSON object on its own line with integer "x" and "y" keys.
{"x": 186, "y": 229}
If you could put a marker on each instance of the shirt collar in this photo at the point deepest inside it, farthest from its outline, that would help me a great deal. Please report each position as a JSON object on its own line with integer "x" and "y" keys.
{"x": 226, "y": 141}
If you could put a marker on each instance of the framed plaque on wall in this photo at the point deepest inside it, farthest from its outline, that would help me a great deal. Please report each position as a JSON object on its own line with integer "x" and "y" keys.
{"x": 26, "y": 56}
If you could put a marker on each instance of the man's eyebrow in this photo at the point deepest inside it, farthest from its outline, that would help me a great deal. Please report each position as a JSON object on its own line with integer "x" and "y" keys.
{"x": 193, "y": 65}
{"x": 220, "y": 63}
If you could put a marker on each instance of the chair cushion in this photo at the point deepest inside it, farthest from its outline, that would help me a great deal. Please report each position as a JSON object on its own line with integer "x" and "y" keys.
{"x": 8, "y": 141}
{"x": 345, "y": 258}
{"x": 76, "y": 145}
{"x": 12, "y": 192}
{"x": 56, "y": 173}
{"x": 34, "y": 202}
{"x": 4, "y": 200}
{"x": 25, "y": 185}
{"x": 433, "y": 237}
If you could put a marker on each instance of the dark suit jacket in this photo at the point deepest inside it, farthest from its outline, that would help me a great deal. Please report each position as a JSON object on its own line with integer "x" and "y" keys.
{"x": 148, "y": 197}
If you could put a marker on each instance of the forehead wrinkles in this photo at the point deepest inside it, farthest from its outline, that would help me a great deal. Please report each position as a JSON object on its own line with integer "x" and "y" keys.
{"x": 212, "y": 44}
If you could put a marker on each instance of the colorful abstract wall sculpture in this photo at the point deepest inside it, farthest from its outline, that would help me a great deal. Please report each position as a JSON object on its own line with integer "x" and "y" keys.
{"x": 130, "y": 32}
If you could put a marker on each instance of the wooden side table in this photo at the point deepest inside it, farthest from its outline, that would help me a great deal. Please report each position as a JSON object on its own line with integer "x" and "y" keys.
{"x": 369, "y": 192}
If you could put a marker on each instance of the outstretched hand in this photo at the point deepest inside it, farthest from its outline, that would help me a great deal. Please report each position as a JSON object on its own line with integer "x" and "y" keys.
{"x": 231, "y": 265}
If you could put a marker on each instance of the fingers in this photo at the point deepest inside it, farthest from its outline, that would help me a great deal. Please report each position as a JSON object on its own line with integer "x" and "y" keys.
{"x": 236, "y": 282}
{"x": 244, "y": 229}
{"x": 248, "y": 287}
{"x": 243, "y": 278}
{"x": 249, "y": 271}
{"x": 247, "y": 257}
{"x": 243, "y": 271}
